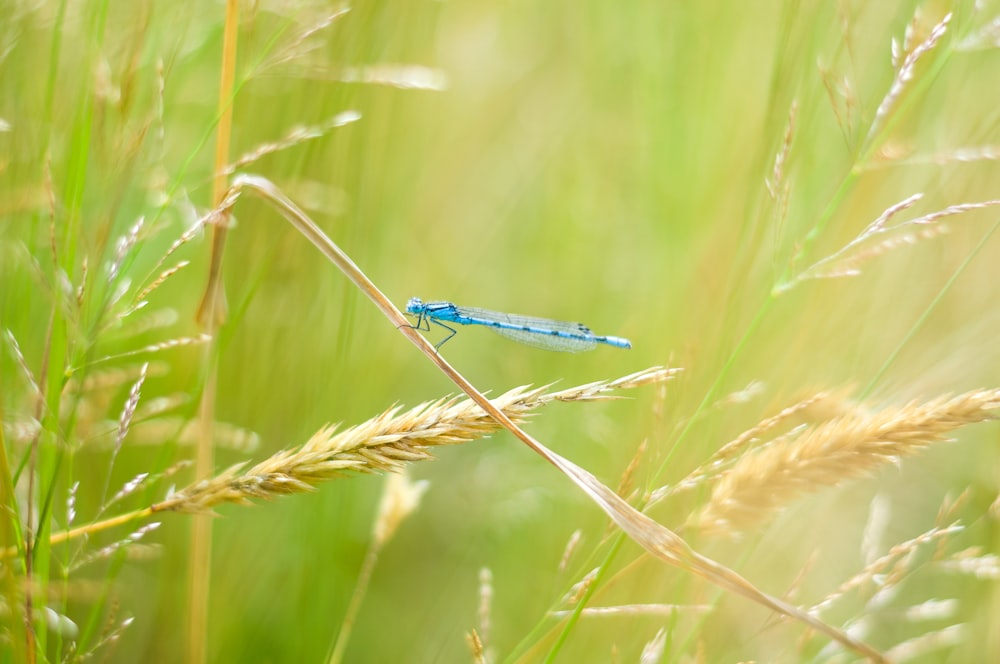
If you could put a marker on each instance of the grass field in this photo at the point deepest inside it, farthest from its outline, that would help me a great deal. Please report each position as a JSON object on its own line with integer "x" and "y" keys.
{"x": 790, "y": 205}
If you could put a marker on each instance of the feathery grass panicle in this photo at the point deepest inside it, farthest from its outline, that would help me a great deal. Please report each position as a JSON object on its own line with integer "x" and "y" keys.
{"x": 400, "y": 497}
{"x": 22, "y": 364}
{"x": 571, "y": 546}
{"x": 181, "y": 431}
{"x": 777, "y": 185}
{"x": 879, "y": 567}
{"x": 107, "y": 551}
{"x": 402, "y": 76}
{"x": 295, "y": 137}
{"x": 149, "y": 321}
{"x": 128, "y": 410}
{"x": 113, "y": 632}
{"x": 843, "y": 100}
{"x": 947, "y": 637}
{"x": 580, "y": 588}
{"x": 844, "y": 448}
{"x": 476, "y": 647}
{"x": 154, "y": 348}
{"x": 123, "y": 247}
{"x": 985, "y": 37}
{"x": 652, "y": 652}
{"x": 124, "y": 421}
{"x": 728, "y": 454}
{"x": 880, "y": 236}
{"x": 974, "y": 562}
{"x": 299, "y": 44}
{"x": 484, "y": 614}
{"x": 626, "y": 485}
{"x": 906, "y": 69}
{"x": 111, "y": 378}
{"x": 385, "y": 443}
{"x": 140, "y": 301}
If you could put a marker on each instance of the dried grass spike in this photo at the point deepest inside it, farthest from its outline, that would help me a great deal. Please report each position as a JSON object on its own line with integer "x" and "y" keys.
{"x": 384, "y": 443}
{"x": 905, "y": 73}
{"x": 122, "y": 248}
{"x": 844, "y": 448}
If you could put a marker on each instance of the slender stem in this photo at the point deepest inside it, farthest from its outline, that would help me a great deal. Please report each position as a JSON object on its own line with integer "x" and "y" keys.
{"x": 211, "y": 314}
{"x": 89, "y": 529}
{"x": 354, "y": 607}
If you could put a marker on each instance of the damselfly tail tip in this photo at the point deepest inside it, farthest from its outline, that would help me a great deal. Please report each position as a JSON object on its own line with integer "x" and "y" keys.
{"x": 620, "y": 343}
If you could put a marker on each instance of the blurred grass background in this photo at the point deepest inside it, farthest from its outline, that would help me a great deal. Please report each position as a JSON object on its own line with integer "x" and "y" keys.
{"x": 576, "y": 160}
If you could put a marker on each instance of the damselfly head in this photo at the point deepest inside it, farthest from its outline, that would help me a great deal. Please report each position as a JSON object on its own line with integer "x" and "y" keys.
{"x": 414, "y": 306}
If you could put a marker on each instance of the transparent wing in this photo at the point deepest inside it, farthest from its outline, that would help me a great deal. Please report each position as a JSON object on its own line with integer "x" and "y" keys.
{"x": 490, "y": 316}
{"x": 569, "y": 337}
{"x": 547, "y": 341}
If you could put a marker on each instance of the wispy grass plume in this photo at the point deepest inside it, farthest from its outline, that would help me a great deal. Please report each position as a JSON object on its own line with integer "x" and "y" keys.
{"x": 849, "y": 446}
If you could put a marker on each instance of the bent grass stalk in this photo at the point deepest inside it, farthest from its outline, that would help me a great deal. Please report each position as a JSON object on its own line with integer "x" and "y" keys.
{"x": 653, "y": 537}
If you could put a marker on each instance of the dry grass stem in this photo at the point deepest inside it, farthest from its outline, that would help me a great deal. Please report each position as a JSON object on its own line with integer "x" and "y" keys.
{"x": 385, "y": 443}
{"x": 964, "y": 155}
{"x": 843, "y": 448}
{"x": 661, "y": 610}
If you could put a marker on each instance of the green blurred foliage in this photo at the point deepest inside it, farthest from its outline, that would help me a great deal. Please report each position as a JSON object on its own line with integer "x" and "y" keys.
{"x": 596, "y": 161}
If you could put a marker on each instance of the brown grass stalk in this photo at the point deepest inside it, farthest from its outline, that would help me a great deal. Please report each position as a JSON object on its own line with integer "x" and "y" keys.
{"x": 658, "y": 540}
{"x": 843, "y": 448}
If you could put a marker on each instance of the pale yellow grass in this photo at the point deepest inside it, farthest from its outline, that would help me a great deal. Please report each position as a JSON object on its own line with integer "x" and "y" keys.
{"x": 384, "y": 443}
{"x": 848, "y": 446}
